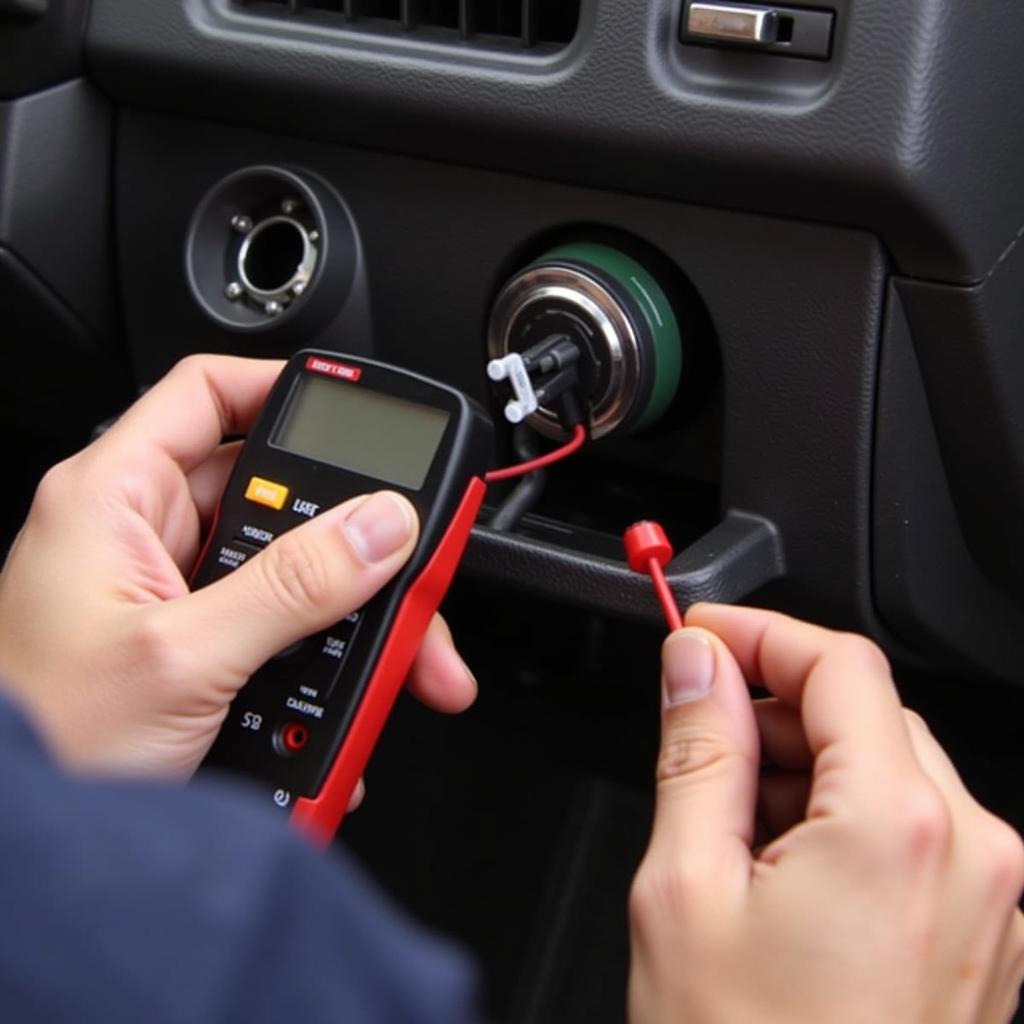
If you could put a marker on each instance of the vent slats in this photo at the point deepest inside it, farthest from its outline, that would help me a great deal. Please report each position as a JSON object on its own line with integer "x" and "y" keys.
{"x": 520, "y": 24}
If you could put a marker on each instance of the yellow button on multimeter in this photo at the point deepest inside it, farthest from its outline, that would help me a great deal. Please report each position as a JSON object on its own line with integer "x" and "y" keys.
{"x": 266, "y": 492}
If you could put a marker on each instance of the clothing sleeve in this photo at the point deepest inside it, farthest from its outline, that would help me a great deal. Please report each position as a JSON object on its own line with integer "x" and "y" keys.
{"x": 139, "y": 902}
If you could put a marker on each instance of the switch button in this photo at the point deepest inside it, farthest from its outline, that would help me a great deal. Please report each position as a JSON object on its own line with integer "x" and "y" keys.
{"x": 266, "y": 492}
{"x": 730, "y": 23}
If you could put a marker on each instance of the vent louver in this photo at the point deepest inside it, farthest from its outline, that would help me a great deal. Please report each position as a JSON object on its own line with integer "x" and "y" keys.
{"x": 540, "y": 25}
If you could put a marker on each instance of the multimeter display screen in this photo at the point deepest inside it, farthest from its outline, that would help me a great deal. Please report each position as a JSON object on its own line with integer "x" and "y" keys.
{"x": 381, "y": 436}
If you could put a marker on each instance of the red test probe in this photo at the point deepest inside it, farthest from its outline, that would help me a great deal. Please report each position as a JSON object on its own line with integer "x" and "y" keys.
{"x": 648, "y": 550}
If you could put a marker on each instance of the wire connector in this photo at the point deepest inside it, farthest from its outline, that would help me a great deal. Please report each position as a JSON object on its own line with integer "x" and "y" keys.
{"x": 545, "y": 374}
{"x": 513, "y": 369}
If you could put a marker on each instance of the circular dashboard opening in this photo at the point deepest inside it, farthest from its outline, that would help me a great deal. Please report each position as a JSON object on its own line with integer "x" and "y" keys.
{"x": 273, "y": 257}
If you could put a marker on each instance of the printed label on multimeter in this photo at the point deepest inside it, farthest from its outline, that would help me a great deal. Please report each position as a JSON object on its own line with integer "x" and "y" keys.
{"x": 334, "y": 427}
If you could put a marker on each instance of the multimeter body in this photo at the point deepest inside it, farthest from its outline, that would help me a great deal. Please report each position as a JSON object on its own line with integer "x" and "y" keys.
{"x": 336, "y": 426}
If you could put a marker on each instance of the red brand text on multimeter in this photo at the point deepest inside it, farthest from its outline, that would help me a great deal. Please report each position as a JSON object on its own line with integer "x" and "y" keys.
{"x": 333, "y": 427}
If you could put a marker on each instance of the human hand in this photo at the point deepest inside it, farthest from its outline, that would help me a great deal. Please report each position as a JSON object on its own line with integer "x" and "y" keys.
{"x": 100, "y": 641}
{"x": 889, "y": 894}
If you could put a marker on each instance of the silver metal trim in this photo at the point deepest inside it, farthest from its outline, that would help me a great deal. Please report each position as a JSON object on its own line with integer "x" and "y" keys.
{"x": 297, "y": 283}
{"x": 603, "y": 311}
{"x": 733, "y": 23}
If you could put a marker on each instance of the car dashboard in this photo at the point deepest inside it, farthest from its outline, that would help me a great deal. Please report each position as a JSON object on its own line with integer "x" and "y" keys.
{"x": 826, "y": 198}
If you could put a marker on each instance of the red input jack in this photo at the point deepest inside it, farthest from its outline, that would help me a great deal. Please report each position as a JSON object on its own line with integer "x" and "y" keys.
{"x": 291, "y": 738}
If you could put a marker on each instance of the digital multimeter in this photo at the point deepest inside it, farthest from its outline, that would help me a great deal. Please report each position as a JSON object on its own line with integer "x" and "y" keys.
{"x": 335, "y": 426}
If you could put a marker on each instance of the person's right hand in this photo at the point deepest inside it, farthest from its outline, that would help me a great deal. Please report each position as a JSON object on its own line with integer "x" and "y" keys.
{"x": 889, "y": 896}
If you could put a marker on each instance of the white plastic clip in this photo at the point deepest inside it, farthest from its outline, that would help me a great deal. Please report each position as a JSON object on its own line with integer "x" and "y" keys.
{"x": 513, "y": 369}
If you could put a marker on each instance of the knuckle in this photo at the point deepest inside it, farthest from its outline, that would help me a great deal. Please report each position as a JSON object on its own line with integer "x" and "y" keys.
{"x": 51, "y": 492}
{"x": 642, "y": 903}
{"x": 925, "y": 824}
{"x": 685, "y": 753}
{"x": 1004, "y": 857}
{"x": 156, "y": 651}
{"x": 1017, "y": 945}
{"x": 858, "y": 648}
{"x": 295, "y": 574}
{"x": 659, "y": 892}
{"x": 916, "y": 723}
{"x": 191, "y": 365}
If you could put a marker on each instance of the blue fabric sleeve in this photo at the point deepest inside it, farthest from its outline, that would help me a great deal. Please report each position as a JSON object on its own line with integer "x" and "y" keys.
{"x": 146, "y": 903}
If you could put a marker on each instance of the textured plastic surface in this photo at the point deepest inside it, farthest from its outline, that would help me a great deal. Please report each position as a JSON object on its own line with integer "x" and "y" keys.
{"x": 55, "y": 165}
{"x": 968, "y": 344}
{"x": 55, "y": 386}
{"x": 930, "y": 591}
{"x": 889, "y": 135}
{"x": 37, "y": 52}
{"x": 733, "y": 560}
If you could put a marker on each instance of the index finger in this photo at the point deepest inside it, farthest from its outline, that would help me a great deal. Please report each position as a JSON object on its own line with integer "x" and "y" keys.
{"x": 840, "y": 683}
{"x": 202, "y": 400}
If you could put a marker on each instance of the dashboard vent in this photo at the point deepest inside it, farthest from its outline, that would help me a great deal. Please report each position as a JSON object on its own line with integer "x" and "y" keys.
{"x": 539, "y": 25}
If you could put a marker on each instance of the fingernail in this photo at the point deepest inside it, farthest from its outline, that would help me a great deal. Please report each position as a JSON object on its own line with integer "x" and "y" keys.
{"x": 379, "y": 526}
{"x": 688, "y": 667}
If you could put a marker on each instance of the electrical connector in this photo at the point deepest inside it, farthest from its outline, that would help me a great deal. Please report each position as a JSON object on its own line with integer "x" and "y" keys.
{"x": 547, "y": 374}
{"x": 513, "y": 369}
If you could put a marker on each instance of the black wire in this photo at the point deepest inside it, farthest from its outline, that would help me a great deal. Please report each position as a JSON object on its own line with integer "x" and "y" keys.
{"x": 527, "y": 491}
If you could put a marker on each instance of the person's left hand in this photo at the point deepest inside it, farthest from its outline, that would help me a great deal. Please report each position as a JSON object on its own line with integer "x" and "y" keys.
{"x": 101, "y": 642}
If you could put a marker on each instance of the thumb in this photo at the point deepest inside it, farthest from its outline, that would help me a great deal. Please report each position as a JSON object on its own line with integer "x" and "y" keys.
{"x": 708, "y": 763}
{"x": 306, "y": 580}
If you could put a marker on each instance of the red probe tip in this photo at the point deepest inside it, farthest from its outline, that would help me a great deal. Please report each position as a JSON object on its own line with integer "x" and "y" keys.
{"x": 646, "y": 540}
{"x": 648, "y": 550}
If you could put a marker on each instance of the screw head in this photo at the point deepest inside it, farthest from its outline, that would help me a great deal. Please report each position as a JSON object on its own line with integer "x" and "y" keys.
{"x": 234, "y": 290}
{"x": 298, "y": 288}
{"x": 289, "y": 206}
{"x": 273, "y": 307}
{"x": 314, "y": 235}
{"x": 241, "y": 223}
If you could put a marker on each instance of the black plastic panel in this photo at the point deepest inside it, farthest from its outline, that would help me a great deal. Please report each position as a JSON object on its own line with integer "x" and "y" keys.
{"x": 968, "y": 344}
{"x": 56, "y": 384}
{"x": 55, "y": 194}
{"x": 732, "y": 561}
{"x": 913, "y": 133}
{"x": 42, "y": 50}
{"x": 795, "y": 308}
{"x": 929, "y": 589}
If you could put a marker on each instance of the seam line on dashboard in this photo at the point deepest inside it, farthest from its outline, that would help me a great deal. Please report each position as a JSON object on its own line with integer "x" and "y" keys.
{"x": 1004, "y": 255}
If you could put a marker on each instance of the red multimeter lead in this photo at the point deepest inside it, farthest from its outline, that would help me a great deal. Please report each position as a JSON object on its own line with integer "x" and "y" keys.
{"x": 648, "y": 550}
{"x": 579, "y": 437}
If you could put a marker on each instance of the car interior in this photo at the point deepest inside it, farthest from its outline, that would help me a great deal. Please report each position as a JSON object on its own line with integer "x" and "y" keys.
{"x": 789, "y": 240}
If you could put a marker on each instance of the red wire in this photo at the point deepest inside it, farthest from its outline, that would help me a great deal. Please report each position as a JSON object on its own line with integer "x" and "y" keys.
{"x": 664, "y": 592}
{"x": 579, "y": 435}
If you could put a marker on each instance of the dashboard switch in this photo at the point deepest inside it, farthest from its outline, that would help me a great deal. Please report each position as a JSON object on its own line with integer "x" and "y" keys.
{"x": 787, "y": 31}
{"x": 730, "y": 23}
